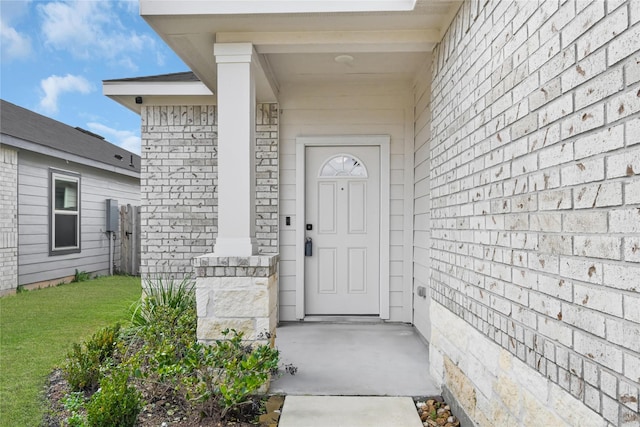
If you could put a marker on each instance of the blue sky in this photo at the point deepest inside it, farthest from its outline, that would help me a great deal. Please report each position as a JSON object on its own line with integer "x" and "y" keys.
{"x": 55, "y": 54}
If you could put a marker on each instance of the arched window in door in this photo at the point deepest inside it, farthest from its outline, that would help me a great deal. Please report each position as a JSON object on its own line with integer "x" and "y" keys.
{"x": 344, "y": 165}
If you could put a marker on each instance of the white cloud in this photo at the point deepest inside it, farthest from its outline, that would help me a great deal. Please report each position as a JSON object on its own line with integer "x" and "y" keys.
{"x": 54, "y": 86}
{"x": 123, "y": 138}
{"x": 92, "y": 30}
{"x": 13, "y": 44}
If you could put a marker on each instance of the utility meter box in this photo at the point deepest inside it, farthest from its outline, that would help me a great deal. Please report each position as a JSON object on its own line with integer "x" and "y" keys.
{"x": 113, "y": 215}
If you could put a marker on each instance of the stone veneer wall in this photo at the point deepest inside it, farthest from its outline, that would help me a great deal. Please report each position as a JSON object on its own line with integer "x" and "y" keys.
{"x": 238, "y": 293}
{"x": 535, "y": 192}
{"x": 8, "y": 219}
{"x": 179, "y": 179}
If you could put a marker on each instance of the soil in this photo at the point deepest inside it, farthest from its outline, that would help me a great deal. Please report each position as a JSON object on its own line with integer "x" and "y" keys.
{"x": 170, "y": 412}
{"x": 166, "y": 412}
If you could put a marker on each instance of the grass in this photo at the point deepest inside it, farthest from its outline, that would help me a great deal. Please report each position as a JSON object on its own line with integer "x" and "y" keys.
{"x": 37, "y": 329}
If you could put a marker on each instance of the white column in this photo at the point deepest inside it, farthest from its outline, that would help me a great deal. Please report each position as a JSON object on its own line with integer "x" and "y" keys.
{"x": 236, "y": 156}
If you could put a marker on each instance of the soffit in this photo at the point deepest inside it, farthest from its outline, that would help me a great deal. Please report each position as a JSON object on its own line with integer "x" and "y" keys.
{"x": 301, "y": 47}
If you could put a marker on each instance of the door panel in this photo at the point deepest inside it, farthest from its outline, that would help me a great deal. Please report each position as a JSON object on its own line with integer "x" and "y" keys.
{"x": 327, "y": 271}
{"x": 327, "y": 208}
{"x": 357, "y": 263}
{"x": 342, "y": 204}
{"x": 357, "y": 207}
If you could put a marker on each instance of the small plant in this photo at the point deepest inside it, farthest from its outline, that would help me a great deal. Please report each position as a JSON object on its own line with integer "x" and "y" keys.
{"x": 81, "y": 276}
{"x": 162, "y": 292}
{"x": 116, "y": 403}
{"x": 74, "y": 402}
{"x": 21, "y": 289}
{"x": 84, "y": 362}
{"x": 82, "y": 369}
{"x": 229, "y": 372}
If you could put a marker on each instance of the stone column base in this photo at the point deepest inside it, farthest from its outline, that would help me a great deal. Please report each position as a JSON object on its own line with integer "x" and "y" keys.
{"x": 238, "y": 293}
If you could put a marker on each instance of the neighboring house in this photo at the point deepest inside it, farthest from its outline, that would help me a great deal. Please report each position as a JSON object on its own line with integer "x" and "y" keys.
{"x": 469, "y": 167}
{"x": 55, "y": 183}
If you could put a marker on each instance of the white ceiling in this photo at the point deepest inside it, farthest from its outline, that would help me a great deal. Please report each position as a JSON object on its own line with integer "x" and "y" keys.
{"x": 301, "y": 47}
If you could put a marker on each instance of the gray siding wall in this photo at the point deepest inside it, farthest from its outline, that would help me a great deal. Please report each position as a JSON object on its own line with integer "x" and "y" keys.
{"x": 8, "y": 219}
{"x": 35, "y": 263}
{"x": 535, "y": 188}
{"x": 179, "y": 185}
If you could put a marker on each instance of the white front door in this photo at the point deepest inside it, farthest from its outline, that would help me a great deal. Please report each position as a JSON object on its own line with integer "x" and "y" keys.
{"x": 342, "y": 275}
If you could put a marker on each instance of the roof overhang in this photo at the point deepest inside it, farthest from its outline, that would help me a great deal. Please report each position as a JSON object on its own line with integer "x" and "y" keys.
{"x": 22, "y": 144}
{"x": 297, "y": 41}
{"x": 134, "y": 94}
{"x": 243, "y": 7}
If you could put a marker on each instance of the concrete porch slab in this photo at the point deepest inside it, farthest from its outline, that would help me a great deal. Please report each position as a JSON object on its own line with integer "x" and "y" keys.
{"x": 348, "y": 411}
{"x": 373, "y": 359}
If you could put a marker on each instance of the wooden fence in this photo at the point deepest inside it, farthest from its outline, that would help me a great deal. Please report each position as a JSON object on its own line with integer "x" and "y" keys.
{"x": 130, "y": 240}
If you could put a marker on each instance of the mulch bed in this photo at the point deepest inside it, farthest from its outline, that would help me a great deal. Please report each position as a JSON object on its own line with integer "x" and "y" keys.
{"x": 167, "y": 412}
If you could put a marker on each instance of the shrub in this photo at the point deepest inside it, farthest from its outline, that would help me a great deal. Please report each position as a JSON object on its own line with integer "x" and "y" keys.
{"x": 84, "y": 362}
{"x": 116, "y": 403}
{"x": 227, "y": 373}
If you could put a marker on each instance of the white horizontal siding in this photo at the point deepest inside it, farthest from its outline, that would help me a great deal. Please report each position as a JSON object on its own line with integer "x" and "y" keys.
{"x": 34, "y": 262}
{"x": 339, "y": 109}
{"x": 421, "y": 219}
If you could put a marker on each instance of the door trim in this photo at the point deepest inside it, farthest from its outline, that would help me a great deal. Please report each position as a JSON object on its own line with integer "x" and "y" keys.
{"x": 382, "y": 141}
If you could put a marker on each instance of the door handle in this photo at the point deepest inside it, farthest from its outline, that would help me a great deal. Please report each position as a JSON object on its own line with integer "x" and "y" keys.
{"x": 308, "y": 247}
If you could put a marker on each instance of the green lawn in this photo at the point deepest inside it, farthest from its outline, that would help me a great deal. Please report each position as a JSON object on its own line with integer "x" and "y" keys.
{"x": 37, "y": 329}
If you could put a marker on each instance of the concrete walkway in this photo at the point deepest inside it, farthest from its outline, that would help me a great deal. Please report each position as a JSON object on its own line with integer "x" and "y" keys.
{"x": 348, "y": 411}
{"x": 373, "y": 359}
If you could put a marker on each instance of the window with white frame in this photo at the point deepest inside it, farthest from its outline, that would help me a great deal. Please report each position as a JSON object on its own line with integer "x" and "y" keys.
{"x": 65, "y": 212}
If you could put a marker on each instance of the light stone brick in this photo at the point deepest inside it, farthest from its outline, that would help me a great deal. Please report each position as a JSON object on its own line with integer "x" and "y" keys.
{"x": 585, "y": 222}
{"x": 623, "y": 105}
{"x": 599, "y": 351}
{"x": 555, "y": 110}
{"x": 624, "y": 45}
{"x": 631, "y": 249}
{"x": 545, "y": 94}
{"x": 597, "y": 246}
{"x": 554, "y": 287}
{"x": 583, "y": 21}
{"x": 555, "y": 155}
{"x": 583, "y": 172}
{"x": 599, "y": 88}
{"x": 610, "y": 409}
{"x": 632, "y": 70}
{"x": 581, "y": 269}
{"x": 571, "y": 410}
{"x": 608, "y": 139}
{"x": 213, "y": 328}
{"x": 584, "y": 121}
{"x": 555, "y": 200}
{"x": 632, "y": 367}
{"x": 585, "y": 243}
{"x": 624, "y": 277}
{"x": 632, "y": 131}
{"x": 555, "y": 330}
{"x": 590, "y": 67}
{"x": 624, "y": 220}
{"x": 602, "y": 33}
{"x": 584, "y": 319}
{"x": 600, "y": 299}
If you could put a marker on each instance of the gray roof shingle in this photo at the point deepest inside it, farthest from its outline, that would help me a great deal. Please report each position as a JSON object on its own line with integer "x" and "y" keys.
{"x": 27, "y": 125}
{"x": 184, "y": 77}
